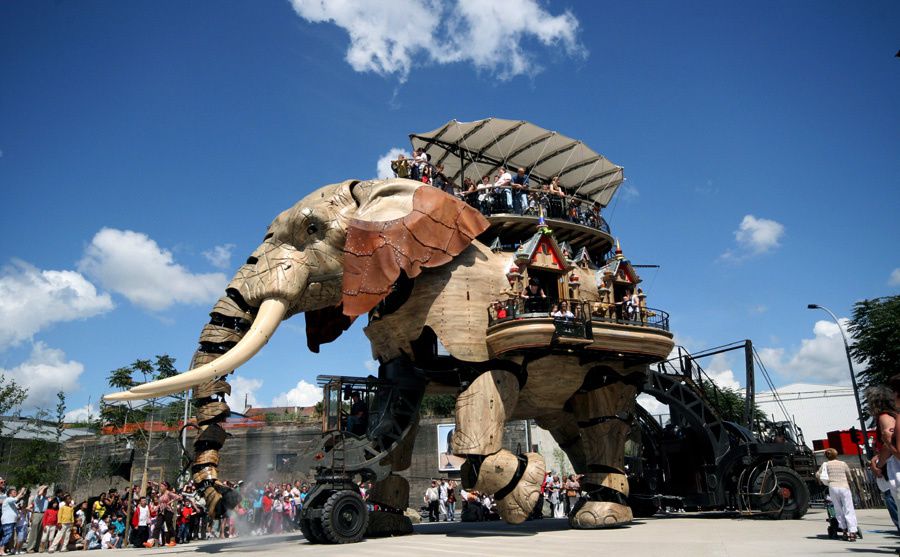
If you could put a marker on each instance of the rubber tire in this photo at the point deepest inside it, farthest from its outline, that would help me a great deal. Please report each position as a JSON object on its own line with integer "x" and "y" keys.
{"x": 310, "y": 532}
{"x": 795, "y": 507}
{"x": 385, "y": 524}
{"x": 345, "y": 517}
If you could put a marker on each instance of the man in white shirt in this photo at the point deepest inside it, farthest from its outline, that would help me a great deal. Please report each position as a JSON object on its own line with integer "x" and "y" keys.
{"x": 503, "y": 183}
{"x": 443, "y": 495}
{"x": 421, "y": 161}
{"x": 432, "y": 496}
{"x": 505, "y": 178}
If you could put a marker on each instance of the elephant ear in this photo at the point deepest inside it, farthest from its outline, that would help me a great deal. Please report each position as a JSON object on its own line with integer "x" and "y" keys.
{"x": 400, "y": 225}
{"x": 325, "y": 325}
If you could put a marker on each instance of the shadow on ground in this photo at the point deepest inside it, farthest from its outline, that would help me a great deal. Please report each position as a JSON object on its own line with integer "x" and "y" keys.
{"x": 497, "y": 528}
{"x": 245, "y": 545}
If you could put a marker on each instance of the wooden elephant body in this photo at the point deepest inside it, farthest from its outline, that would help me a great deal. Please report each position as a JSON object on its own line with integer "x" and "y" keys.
{"x": 407, "y": 255}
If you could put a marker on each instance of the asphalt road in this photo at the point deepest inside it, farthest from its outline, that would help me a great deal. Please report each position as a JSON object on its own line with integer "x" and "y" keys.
{"x": 673, "y": 536}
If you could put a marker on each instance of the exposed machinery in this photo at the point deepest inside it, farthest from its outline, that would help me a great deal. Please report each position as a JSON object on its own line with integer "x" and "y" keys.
{"x": 360, "y": 448}
{"x": 700, "y": 461}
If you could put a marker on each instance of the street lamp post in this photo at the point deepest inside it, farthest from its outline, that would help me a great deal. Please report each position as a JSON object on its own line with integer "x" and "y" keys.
{"x": 859, "y": 412}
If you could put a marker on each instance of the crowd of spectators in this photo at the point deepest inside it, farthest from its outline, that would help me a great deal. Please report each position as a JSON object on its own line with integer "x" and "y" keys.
{"x": 505, "y": 192}
{"x": 38, "y": 521}
{"x": 558, "y": 495}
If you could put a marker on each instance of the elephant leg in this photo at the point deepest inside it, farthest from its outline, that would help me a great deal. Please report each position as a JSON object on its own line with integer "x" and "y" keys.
{"x": 603, "y": 409}
{"x": 481, "y": 413}
{"x": 392, "y": 493}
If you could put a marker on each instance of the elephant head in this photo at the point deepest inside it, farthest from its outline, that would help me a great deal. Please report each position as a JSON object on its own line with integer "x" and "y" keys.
{"x": 333, "y": 256}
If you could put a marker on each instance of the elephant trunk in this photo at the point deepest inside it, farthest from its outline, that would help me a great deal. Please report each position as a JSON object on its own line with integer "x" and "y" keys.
{"x": 230, "y": 320}
{"x": 215, "y": 339}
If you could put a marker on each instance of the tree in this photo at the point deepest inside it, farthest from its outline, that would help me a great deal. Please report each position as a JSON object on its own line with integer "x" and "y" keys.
{"x": 438, "y": 405}
{"x": 38, "y": 456}
{"x": 140, "y": 371}
{"x": 11, "y": 397}
{"x": 730, "y": 403}
{"x": 167, "y": 410}
{"x": 876, "y": 339}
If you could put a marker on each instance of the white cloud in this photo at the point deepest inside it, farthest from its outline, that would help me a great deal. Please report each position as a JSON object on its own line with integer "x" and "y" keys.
{"x": 82, "y": 414}
{"x": 304, "y": 394}
{"x": 724, "y": 379}
{"x": 219, "y": 256}
{"x": 390, "y": 37}
{"x": 383, "y": 167}
{"x": 32, "y": 299}
{"x": 759, "y": 309}
{"x": 894, "y": 279}
{"x": 371, "y": 365}
{"x": 132, "y": 264}
{"x": 821, "y": 359}
{"x": 719, "y": 370}
{"x": 243, "y": 389}
{"x": 755, "y": 236}
{"x": 653, "y": 406}
{"x": 45, "y": 373}
{"x": 758, "y": 235}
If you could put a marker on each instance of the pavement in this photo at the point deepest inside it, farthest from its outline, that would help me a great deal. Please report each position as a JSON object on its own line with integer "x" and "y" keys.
{"x": 670, "y": 536}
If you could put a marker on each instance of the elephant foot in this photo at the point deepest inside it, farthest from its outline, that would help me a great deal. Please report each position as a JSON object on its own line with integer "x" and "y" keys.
{"x": 220, "y": 500}
{"x": 515, "y": 482}
{"x": 599, "y": 514}
{"x": 383, "y": 524}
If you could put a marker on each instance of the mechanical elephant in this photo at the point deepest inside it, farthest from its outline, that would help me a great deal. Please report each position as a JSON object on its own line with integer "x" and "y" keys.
{"x": 407, "y": 255}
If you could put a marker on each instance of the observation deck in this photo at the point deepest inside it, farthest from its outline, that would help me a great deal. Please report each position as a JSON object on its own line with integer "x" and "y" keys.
{"x": 574, "y": 220}
{"x": 527, "y": 324}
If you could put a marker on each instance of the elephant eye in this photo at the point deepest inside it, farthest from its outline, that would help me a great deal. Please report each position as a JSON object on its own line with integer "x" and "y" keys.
{"x": 312, "y": 229}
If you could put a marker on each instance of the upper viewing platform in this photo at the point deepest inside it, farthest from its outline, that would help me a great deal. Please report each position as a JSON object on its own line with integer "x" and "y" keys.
{"x": 515, "y": 172}
{"x": 575, "y": 220}
{"x": 476, "y": 149}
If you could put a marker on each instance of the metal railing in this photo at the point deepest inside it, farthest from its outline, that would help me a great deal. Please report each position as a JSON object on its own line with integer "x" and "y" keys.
{"x": 582, "y": 312}
{"x": 511, "y": 200}
{"x": 641, "y": 316}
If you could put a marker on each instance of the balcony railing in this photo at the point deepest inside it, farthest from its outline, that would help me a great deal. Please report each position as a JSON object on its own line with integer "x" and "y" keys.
{"x": 508, "y": 200}
{"x": 582, "y": 313}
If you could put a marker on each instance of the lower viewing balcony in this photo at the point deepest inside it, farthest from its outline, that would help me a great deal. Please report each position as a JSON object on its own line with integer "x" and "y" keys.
{"x": 520, "y": 324}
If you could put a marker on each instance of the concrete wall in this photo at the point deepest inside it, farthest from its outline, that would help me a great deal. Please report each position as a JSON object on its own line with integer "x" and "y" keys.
{"x": 260, "y": 454}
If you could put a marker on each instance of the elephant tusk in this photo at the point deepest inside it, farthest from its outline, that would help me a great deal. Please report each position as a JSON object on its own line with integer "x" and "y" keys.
{"x": 269, "y": 316}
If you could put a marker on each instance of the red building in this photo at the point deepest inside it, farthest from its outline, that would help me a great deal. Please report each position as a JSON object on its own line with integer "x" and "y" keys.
{"x": 842, "y": 442}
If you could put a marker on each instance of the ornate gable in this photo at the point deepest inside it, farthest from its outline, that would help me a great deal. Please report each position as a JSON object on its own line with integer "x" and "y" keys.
{"x": 542, "y": 252}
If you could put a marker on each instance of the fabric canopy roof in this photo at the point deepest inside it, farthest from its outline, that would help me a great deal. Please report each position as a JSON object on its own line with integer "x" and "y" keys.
{"x": 481, "y": 147}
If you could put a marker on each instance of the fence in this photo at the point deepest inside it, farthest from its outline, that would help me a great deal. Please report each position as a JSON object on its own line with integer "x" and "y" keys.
{"x": 519, "y": 308}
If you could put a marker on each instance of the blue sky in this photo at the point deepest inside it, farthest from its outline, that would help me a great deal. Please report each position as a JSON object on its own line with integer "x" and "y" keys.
{"x": 145, "y": 146}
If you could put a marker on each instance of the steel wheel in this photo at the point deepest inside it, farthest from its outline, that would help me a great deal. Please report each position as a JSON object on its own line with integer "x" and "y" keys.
{"x": 783, "y": 493}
